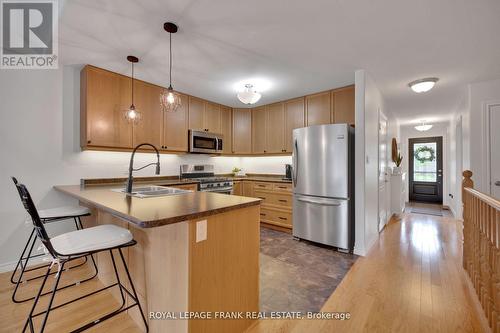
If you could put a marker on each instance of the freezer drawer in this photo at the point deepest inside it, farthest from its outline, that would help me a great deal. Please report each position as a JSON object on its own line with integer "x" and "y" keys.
{"x": 322, "y": 220}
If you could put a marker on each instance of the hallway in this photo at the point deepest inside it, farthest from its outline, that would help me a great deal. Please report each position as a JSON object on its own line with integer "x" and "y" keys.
{"x": 411, "y": 281}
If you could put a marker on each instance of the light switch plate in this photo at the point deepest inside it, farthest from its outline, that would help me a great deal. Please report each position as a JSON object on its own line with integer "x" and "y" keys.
{"x": 201, "y": 230}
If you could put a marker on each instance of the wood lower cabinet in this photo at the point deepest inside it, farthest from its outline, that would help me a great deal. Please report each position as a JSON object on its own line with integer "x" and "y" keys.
{"x": 276, "y": 203}
{"x": 259, "y": 130}
{"x": 343, "y": 105}
{"x": 242, "y": 131}
{"x": 318, "y": 109}
{"x": 294, "y": 118}
{"x": 104, "y": 97}
{"x": 247, "y": 188}
{"x": 226, "y": 123}
{"x": 175, "y": 128}
{"x": 275, "y": 128}
{"x": 237, "y": 188}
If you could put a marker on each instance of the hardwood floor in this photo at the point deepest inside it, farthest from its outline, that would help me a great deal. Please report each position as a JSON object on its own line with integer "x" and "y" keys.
{"x": 411, "y": 281}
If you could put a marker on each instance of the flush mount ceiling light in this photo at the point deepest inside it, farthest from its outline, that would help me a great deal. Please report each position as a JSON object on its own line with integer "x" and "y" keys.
{"x": 423, "y": 85}
{"x": 170, "y": 101}
{"x": 249, "y": 95}
{"x": 423, "y": 127}
{"x": 132, "y": 114}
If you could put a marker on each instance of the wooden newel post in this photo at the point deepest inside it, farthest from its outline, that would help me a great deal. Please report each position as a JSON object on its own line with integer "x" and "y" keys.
{"x": 466, "y": 182}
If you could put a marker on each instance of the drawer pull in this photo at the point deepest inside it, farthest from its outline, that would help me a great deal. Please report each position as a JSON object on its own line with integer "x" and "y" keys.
{"x": 283, "y": 200}
{"x": 260, "y": 185}
{"x": 262, "y": 214}
{"x": 282, "y": 218}
{"x": 282, "y": 187}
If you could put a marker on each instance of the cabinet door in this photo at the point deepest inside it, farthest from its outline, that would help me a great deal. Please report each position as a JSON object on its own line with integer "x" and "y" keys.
{"x": 147, "y": 102}
{"x": 212, "y": 117}
{"x": 196, "y": 111}
{"x": 294, "y": 118}
{"x": 175, "y": 127}
{"x": 247, "y": 189}
{"x": 275, "y": 129}
{"x": 343, "y": 105}
{"x": 242, "y": 131}
{"x": 105, "y": 97}
{"x": 226, "y": 129}
{"x": 237, "y": 190}
{"x": 318, "y": 109}
{"x": 259, "y": 130}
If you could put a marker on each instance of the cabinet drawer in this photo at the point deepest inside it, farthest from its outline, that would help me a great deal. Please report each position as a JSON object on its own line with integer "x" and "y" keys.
{"x": 266, "y": 197}
{"x": 282, "y": 187}
{"x": 263, "y": 186}
{"x": 276, "y": 216}
{"x": 279, "y": 199}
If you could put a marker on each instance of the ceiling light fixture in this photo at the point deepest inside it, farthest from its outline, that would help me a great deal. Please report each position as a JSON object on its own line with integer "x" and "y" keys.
{"x": 170, "y": 101}
{"x": 249, "y": 95}
{"x": 423, "y": 85}
{"x": 131, "y": 114}
{"x": 423, "y": 127}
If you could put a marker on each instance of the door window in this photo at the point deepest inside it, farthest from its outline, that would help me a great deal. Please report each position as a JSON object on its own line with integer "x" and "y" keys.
{"x": 424, "y": 162}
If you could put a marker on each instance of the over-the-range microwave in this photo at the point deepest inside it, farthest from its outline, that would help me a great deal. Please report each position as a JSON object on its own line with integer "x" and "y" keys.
{"x": 205, "y": 142}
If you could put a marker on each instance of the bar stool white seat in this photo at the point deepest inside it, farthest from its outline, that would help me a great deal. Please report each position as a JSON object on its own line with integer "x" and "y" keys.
{"x": 77, "y": 244}
{"x": 50, "y": 215}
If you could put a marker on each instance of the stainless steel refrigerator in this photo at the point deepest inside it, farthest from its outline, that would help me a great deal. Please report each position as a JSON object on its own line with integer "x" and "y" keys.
{"x": 323, "y": 184}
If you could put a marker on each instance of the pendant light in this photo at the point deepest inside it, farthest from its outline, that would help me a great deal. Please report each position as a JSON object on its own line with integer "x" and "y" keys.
{"x": 249, "y": 95}
{"x": 132, "y": 114}
{"x": 170, "y": 101}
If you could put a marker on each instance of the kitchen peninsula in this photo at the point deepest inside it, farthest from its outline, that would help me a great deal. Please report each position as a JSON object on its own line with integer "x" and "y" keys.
{"x": 197, "y": 251}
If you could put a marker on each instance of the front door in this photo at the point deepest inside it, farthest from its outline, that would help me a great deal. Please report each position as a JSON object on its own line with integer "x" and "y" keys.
{"x": 426, "y": 169}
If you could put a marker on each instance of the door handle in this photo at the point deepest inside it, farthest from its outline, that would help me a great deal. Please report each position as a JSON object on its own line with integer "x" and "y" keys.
{"x": 322, "y": 203}
{"x": 296, "y": 164}
{"x": 497, "y": 183}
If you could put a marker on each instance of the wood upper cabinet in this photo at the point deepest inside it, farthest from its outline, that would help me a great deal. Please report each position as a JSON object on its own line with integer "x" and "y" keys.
{"x": 318, "y": 109}
{"x": 212, "y": 117}
{"x": 104, "y": 98}
{"x": 196, "y": 111}
{"x": 147, "y": 102}
{"x": 294, "y": 118}
{"x": 275, "y": 128}
{"x": 175, "y": 128}
{"x": 343, "y": 105}
{"x": 226, "y": 129}
{"x": 242, "y": 131}
{"x": 259, "y": 130}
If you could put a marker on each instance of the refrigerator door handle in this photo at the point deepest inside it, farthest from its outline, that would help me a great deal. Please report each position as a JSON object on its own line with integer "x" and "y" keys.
{"x": 295, "y": 163}
{"x": 322, "y": 203}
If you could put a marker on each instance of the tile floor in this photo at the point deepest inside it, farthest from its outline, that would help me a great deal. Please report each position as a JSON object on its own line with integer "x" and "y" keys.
{"x": 298, "y": 276}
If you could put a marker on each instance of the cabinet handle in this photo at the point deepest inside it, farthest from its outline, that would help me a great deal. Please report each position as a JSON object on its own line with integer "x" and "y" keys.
{"x": 261, "y": 185}
{"x": 262, "y": 214}
{"x": 89, "y": 141}
{"x": 282, "y": 200}
{"x": 282, "y": 187}
{"x": 282, "y": 218}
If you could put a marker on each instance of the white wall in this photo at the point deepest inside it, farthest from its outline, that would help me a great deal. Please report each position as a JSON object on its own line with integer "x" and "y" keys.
{"x": 439, "y": 129}
{"x": 39, "y": 131}
{"x": 479, "y": 94}
{"x": 369, "y": 101}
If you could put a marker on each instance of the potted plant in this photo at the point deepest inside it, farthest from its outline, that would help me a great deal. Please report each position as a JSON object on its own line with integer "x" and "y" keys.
{"x": 236, "y": 171}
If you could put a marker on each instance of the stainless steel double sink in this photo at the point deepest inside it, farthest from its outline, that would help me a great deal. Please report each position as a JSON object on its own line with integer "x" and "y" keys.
{"x": 152, "y": 191}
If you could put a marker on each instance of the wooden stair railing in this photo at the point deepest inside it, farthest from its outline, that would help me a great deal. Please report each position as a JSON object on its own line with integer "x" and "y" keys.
{"x": 481, "y": 248}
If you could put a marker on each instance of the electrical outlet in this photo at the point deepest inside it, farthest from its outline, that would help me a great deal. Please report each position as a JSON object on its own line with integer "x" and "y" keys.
{"x": 201, "y": 230}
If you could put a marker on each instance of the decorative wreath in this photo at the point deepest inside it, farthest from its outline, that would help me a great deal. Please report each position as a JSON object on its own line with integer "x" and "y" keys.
{"x": 425, "y": 154}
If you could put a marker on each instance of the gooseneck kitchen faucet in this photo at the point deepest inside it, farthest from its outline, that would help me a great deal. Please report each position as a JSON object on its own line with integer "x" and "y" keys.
{"x": 131, "y": 169}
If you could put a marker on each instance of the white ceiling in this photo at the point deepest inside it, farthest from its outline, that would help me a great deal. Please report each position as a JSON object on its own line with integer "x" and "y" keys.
{"x": 299, "y": 47}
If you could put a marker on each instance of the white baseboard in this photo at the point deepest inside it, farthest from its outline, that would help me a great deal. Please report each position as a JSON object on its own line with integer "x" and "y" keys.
{"x": 10, "y": 266}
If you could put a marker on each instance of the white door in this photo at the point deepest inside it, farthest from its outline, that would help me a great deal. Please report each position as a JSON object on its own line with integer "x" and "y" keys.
{"x": 382, "y": 172}
{"x": 494, "y": 113}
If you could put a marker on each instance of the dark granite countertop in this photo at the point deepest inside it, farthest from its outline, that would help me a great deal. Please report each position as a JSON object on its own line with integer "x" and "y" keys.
{"x": 157, "y": 211}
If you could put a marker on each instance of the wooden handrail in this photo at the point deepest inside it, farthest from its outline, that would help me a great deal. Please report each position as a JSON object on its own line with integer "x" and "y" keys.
{"x": 481, "y": 248}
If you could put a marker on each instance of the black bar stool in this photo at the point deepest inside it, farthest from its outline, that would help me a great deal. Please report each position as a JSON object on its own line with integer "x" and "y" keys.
{"x": 46, "y": 216}
{"x": 77, "y": 244}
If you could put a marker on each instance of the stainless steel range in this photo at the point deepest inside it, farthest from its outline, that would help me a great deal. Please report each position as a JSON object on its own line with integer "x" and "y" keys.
{"x": 204, "y": 173}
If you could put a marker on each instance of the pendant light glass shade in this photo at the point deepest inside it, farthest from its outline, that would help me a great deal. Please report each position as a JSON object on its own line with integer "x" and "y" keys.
{"x": 170, "y": 101}
{"x": 132, "y": 115}
{"x": 249, "y": 95}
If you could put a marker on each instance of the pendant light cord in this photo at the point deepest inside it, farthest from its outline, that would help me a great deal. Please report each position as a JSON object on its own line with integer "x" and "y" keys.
{"x": 132, "y": 83}
{"x": 170, "y": 69}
